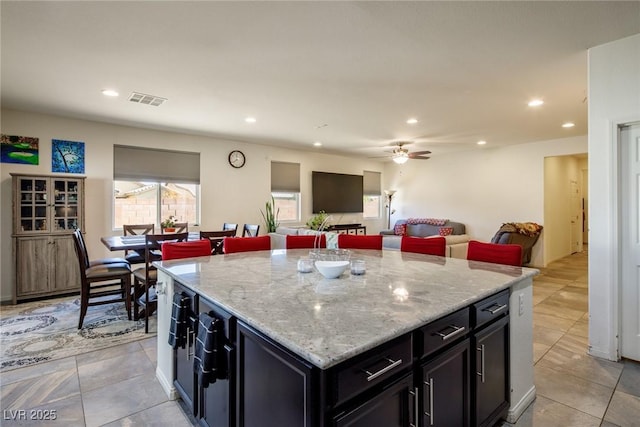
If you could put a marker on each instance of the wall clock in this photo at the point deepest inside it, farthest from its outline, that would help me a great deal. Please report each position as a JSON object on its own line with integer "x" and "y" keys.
{"x": 236, "y": 158}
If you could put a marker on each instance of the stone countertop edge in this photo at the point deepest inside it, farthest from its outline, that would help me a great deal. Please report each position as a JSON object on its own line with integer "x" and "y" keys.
{"x": 281, "y": 305}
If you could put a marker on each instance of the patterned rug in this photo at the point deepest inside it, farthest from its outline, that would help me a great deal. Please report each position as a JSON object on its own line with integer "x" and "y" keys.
{"x": 46, "y": 330}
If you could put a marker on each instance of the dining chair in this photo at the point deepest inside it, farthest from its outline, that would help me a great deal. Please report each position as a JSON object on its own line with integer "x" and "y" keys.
{"x": 304, "y": 242}
{"x": 420, "y": 245}
{"x": 495, "y": 253}
{"x": 135, "y": 257}
{"x": 246, "y": 244}
{"x": 178, "y": 227}
{"x": 145, "y": 278}
{"x": 356, "y": 241}
{"x": 229, "y": 226}
{"x": 93, "y": 263}
{"x": 250, "y": 230}
{"x": 216, "y": 239}
{"x": 189, "y": 249}
{"x": 99, "y": 281}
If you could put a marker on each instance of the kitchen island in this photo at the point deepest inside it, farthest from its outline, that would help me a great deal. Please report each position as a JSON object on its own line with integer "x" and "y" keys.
{"x": 315, "y": 336}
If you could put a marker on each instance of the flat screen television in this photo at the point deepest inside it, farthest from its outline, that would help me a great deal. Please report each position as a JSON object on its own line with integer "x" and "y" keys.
{"x": 336, "y": 192}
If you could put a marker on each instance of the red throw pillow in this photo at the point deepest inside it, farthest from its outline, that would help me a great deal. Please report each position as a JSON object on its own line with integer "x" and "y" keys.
{"x": 445, "y": 231}
{"x": 400, "y": 229}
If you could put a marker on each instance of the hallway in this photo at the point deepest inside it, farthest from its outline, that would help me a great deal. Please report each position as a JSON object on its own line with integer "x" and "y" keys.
{"x": 573, "y": 388}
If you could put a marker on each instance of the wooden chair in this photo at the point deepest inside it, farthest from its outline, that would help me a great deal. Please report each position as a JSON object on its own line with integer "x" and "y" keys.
{"x": 229, "y": 226}
{"x": 304, "y": 242}
{"x": 250, "y": 230}
{"x": 178, "y": 227}
{"x": 356, "y": 241}
{"x": 145, "y": 278}
{"x": 216, "y": 239}
{"x": 99, "y": 261}
{"x": 135, "y": 257}
{"x": 189, "y": 249}
{"x": 495, "y": 253}
{"x": 431, "y": 246}
{"x": 246, "y": 244}
{"x": 100, "y": 281}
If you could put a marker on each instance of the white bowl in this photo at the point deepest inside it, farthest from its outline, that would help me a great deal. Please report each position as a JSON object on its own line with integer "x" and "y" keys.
{"x": 331, "y": 269}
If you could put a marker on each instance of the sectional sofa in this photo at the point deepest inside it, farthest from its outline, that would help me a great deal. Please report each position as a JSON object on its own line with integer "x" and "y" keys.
{"x": 457, "y": 240}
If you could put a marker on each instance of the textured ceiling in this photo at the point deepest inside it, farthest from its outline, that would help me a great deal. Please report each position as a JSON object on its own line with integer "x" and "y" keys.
{"x": 348, "y": 74}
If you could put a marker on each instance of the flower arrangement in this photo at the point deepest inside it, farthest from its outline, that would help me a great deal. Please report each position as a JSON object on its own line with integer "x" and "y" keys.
{"x": 169, "y": 222}
{"x": 317, "y": 220}
{"x": 270, "y": 217}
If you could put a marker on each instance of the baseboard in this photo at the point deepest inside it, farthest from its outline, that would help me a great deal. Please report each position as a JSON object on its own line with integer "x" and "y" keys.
{"x": 518, "y": 409}
{"x": 602, "y": 354}
{"x": 167, "y": 385}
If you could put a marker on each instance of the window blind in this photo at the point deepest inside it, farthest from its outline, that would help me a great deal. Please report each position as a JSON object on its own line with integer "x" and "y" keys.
{"x": 152, "y": 164}
{"x": 285, "y": 177}
{"x": 371, "y": 183}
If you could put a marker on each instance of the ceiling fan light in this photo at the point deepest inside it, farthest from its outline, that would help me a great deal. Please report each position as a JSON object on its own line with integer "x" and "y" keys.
{"x": 401, "y": 158}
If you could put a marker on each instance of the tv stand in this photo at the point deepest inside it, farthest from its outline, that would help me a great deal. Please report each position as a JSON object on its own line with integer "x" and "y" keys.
{"x": 348, "y": 229}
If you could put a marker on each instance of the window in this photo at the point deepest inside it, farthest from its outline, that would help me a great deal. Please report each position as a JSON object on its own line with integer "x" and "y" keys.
{"x": 285, "y": 189}
{"x": 372, "y": 195}
{"x": 151, "y": 184}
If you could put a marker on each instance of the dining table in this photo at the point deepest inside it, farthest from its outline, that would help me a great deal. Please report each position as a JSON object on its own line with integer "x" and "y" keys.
{"x": 133, "y": 242}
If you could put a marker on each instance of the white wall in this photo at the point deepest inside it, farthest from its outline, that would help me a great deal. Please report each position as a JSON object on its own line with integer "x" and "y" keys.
{"x": 228, "y": 194}
{"x": 614, "y": 98}
{"x": 482, "y": 188}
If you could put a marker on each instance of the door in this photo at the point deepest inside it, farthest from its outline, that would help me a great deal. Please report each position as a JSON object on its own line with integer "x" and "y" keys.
{"x": 630, "y": 241}
{"x": 33, "y": 257}
{"x": 66, "y": 274}
{"x": 575, "y": 212}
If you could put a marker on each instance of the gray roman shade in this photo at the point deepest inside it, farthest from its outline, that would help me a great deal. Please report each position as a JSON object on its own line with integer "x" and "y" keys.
{"x": 371, "y": 183}
{"x": 285, "y": 177}
{"x": 152, "y": 164}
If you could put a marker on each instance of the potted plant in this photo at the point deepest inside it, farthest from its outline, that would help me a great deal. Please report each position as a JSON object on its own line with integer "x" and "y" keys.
{"x": 169, "y": 224}
{"x": 317, "y": 220}
{"x": 270, "y": 218}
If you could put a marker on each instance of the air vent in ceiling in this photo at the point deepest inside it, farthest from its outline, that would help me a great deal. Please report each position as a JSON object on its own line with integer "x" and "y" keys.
{"x": 142, "y": 98}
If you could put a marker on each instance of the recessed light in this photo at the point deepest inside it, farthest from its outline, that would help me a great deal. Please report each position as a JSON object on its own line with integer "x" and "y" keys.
{"x": 535, "y": 103}
{"x": 110, "y": 92}
{"x": 250, "y": 120}
{"x": 481, "y": 142}
{"x": 412, "y": 121}
{"x": 568, "y": 125}
{"x": 317, "y": 144}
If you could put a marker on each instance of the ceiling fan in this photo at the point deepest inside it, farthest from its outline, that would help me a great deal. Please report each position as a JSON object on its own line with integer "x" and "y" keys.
{"x": 401, "y": 154}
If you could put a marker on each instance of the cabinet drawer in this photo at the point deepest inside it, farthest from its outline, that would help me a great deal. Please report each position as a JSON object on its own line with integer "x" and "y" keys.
{"x": 444, "y": 331}
{"x": 491, "y": 308}
{"x": 373, "y": 367}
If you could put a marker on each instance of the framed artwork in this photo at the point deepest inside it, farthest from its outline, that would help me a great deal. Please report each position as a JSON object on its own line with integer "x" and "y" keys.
{"x": 67, "y": 156}
{"x": 19, "y": 149}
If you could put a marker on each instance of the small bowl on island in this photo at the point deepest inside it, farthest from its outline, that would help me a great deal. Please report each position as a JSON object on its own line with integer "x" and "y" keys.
{"x": 331, "y": 269}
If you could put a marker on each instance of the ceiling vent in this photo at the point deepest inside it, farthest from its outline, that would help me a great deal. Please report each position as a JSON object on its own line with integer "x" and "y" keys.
{"x": 142, "y": 98}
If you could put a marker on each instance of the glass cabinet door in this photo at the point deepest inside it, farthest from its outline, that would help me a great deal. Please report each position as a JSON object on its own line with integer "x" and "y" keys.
{"x": 33, "y": 207}
{"x": 65, "y": 204}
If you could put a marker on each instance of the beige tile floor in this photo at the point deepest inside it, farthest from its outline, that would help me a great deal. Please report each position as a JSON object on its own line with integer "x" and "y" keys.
{"x": 117, "y": 386}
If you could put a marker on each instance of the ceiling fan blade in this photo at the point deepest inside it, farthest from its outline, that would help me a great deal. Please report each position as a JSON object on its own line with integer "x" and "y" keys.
{"x": 412, "y": 157}
{"x": 420, "y": 153}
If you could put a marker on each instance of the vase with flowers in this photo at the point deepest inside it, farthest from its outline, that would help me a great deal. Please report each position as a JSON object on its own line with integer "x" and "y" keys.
{"x": 169, "y": 224}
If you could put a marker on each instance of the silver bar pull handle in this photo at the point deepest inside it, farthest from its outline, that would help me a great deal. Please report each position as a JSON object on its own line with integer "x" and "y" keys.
{"x": 416, "y": 408}
{"x": 393, "y": 364}
{"x": 481, "y": 373}
{"x": 457, "y": 330}
{"x": 496, "y": 308}
{"x": 431, "y": 390}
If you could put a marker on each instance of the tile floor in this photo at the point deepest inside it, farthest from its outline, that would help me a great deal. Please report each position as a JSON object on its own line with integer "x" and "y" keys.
{"x": 117, "y": 386}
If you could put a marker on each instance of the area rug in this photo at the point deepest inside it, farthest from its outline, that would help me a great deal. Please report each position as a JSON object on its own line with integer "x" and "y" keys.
{"x": 41, "y": 331}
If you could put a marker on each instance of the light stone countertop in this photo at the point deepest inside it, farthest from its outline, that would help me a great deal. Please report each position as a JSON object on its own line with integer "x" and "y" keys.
{"x": 327, "y": 321}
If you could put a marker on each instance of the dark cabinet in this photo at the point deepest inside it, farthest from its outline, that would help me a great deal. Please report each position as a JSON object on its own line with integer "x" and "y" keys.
{"x": 492, "y": 368}
{"x": 445, "y": 388}
{"x": 184, "y": 376}
{"x": 275, "y": 389}
{"x": 394, "y": 406}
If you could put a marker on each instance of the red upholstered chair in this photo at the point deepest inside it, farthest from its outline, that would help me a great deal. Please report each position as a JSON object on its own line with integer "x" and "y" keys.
{"x": 419, "y": 245}
{"x": 354, "y": 241}
{"x": 305, "y": 242}
{"x": 495, "y": 253}
{"x": 179, "y": 250}
{"x": 246, "y": 244}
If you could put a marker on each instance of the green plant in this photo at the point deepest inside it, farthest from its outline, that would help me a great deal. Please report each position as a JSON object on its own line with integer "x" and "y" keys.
{"x": 169, "y": 222}
{"x": 270, "y": 218}
{"x": 316, "y": 221}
